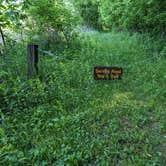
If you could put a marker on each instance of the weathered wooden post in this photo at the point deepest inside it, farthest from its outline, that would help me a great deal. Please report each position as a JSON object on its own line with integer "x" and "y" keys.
{"x": 32, "y": 60}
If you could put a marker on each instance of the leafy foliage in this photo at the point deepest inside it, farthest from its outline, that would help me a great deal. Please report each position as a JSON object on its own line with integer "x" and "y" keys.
{"x": 67, "y": 118}
{"x": 53, "y": 19}
{"x": 11, "y": 12}
{"x": 124, "y": 14}
{"x": 89, "y": 11}
{"x": 137, "y": 15}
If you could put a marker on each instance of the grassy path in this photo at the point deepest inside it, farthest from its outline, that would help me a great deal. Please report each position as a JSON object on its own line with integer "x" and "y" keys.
{"x": 71, "y": 119}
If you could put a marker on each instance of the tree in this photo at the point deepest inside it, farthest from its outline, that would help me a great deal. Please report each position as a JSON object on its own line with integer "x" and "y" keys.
{"x": 52, "y": 18}
{"x": 11, "y": 12}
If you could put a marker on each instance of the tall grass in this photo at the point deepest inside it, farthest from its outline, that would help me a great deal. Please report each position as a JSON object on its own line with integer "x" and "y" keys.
{"x": 68, "y": 118}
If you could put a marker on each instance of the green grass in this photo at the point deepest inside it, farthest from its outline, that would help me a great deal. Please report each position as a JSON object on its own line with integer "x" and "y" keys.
{"x": 68, "y": 118}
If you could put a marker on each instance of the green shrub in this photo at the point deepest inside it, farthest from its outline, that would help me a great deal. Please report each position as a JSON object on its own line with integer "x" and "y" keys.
{"x": 89, "y": 11}
{"x": 134, "y": 15}
{"x": 53, "y": 21}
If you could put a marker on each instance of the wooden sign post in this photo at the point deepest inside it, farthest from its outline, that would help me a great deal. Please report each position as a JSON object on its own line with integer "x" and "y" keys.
{"x": 32, "y": 60}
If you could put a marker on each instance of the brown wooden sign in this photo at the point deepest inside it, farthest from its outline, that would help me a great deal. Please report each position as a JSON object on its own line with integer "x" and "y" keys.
{"x": 107, "y": 73}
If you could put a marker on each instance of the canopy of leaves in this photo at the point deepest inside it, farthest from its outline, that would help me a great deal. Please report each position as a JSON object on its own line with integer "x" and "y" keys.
{"x": 53, "y": 21}
{"x": 51, "y": 14}
{"x": 133, "y": 14}
{"x": 11, "y": 12}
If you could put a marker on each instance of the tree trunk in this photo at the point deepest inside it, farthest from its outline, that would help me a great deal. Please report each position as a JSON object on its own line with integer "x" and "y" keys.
{"x": 3, "y": 43}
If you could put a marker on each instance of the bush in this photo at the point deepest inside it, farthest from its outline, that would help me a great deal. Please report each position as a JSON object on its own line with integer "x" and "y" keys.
{"x": 134, "y": 15}
{"x": 123, "y": 14}
{"x": 53, "y": 20}
{"x": 89, "y": 11}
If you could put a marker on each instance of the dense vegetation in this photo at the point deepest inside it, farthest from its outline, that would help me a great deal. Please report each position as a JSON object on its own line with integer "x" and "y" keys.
{"x": 142, "y": 15}
{"x": 65, "y": 117}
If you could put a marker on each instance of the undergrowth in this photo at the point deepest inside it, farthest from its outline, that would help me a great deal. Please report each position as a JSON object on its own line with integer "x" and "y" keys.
{"x": 65, "y": 117}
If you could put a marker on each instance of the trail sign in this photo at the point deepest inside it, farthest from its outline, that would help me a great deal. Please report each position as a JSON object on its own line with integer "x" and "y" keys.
{"x": 107, "y": 73}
